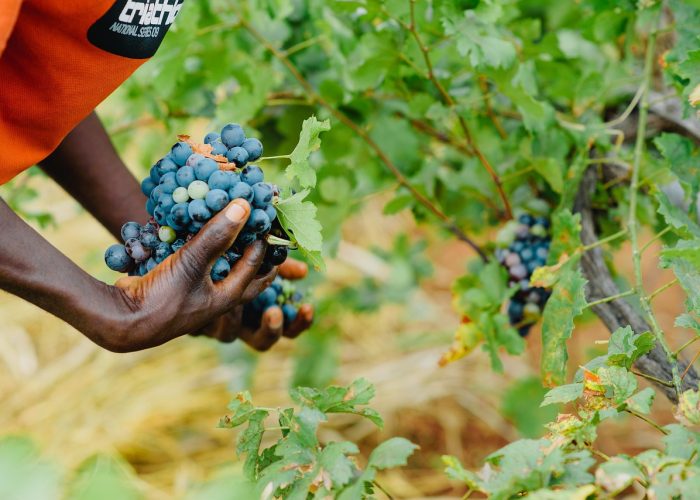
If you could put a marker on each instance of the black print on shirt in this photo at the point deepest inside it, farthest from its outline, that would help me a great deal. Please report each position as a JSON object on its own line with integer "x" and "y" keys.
{"x": 134, "y": 28}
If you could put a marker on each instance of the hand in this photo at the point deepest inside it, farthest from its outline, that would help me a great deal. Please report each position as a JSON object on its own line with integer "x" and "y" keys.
{"x": 229, "y": 327}
{"x": 178, "y": 296}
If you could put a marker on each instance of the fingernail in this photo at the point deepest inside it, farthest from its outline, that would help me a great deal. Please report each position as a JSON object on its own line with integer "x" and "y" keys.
{"x": 236, "y": 212}
{"x": 276, "y": 321}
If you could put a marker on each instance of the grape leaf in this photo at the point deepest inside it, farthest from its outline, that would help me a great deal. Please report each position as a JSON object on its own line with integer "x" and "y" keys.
{"x": 620, "y": 383}
{"x": 689, "y": 278}
{"x": 309, "y": 141}
{"x": 681, "y": 442}
{"x": 642, "y": 401}
{"x": 567, "y": 301}
{"x": 298, "y": 219}
{"x": 105, "y": 478}
{"x": 625, "y": 347}
{"x": 566, "y": 235}
{"x": 563, "y": 394}
{"x": 391, "y": 453}
{"x": 676, "y": 218}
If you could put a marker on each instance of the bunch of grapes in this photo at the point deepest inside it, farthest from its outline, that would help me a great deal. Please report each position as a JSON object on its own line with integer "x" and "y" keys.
{"x": 524, "y": 246}
{"x": 282, "y": 293}
{"x": 185, "y": 189}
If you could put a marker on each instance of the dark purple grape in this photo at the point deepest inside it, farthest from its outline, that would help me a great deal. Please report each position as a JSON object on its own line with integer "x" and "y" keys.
{"x": 117, "y": 258}
{"x": 130, "y": 230}
{"x": 137, "y": 250}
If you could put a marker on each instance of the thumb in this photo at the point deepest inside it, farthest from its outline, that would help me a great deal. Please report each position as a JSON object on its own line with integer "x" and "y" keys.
{"x": 217, "y": 235}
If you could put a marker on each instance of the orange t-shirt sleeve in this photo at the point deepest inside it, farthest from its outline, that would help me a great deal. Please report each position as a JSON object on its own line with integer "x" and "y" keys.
{"x": 9, "y": 10}
{"x": 61, "y": 59}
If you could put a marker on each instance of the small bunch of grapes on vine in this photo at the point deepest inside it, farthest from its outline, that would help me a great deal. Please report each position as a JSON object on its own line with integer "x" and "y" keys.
{"x": 186, "y": 188}
{"x": 523, "y": 246}
{"x": 282, "y": 293}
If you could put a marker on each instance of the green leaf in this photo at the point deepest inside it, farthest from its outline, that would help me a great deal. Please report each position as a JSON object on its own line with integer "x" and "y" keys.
{"x": 24, "y": 474}
{"x": 337, "y": 399}
{"x": 681, "y": 157}
{"x": 333, "y": 460}
{"x": 567, "y": 302}
{"x": 688, "y": 250}
{"x": 617, "y": 474}
{"x": 520, "y": 404}
{"x": 676, "y": 218}
{"x": 681, "y": 442}
{"x": 563, "y": 394}
{"x": 249, "y": 443}
{"x": 298, "y": 219}
{"x": 625, "y": 347}
{"x": 309, "y": 141}
{"x": 566, "y": 235}
{"x": 620, "y": 384}
{"x": 642, "y": 401}
{"x": 393, "y": 452}
{"x": 551, "y": 171}
{"x": 455, "y": 470}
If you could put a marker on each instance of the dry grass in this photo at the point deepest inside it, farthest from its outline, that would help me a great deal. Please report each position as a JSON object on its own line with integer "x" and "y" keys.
{"x": 159, "y": 408}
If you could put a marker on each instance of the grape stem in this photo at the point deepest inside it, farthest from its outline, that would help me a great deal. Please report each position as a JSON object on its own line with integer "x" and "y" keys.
{"x": 647, "y": 420}
{"x": 343, "y": 118}
{"x": 611, "y": 298}
{"x": 276, "y": 240}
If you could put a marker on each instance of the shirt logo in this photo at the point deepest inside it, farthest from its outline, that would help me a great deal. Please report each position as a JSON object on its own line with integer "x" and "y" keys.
{"x": 134, "y": 28}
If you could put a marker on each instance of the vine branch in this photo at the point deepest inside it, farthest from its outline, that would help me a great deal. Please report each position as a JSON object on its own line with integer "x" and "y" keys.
{"x": 343, "y": 118}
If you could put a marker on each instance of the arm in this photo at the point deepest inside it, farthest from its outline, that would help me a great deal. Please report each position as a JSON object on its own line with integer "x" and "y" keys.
{"x": 87, "y": 166}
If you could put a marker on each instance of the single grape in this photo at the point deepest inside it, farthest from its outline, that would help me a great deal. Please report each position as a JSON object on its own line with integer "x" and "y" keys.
{"x": 276, "y": 254}
{"x": 154, "y": 175}
{"x": 149, "y": 240}
{"x": 541, "y": 253}
{"x": 180, "y": 214}
{"x": 233, "y": 178}
{"x": 155, "y": 194}
{"x": 266, "y": 299}
{"x": 117, "y": 259}
{"x": 204, "y": 168}
{"x": 531, "y": 266}
{"x": 220, "y": 269}
{"x": 254, "y": 148}
{"x": 130, "y": 230}
{"x": 147, "y": 186}
{"x": 522, "y": 231}
{"x": 515, "y": 312}
{"x": 142, "y": 269}
{"x": 518, "y": 272}
{"x": 185, "y": 176}
{"x": 198, "y": 190}
{"x": 177, "y": 244}
{"x": 180, "y": 152}
{"x": 180, "y": 195}
{"x": 163, "y": 250}
{"x": 151, "y": 264}
{"x": 194, "y": 159}
{"x": 258, "y": 221}
{"x": 538, "y": 230}
{"x": 232, "y": 135}
{"x": 277, "y": 285}
{"x": 526, "y": 219}
{"x": 262, "y": 194}
{"x": 218, "y": 148}
{"x": 195, "y": 226}
{"x": 244, "y": 239}
{"x": 517, "y": 246}
{"x": 160, "y": 215}
{"x": 166, "y": 234}
{"x": 542, "y": 221}
{"x": 166, "y": 165}
{"x": 136, "y": 250}
{"x": 241, "y": 190}
{"x": 216, "y": 199}
{"x": 531, "y": 312}
{"x": 271, "y": 212}
{"x": 219, "y": 179}
{"x": 289, "y": 312}
{"x": 513, "y": 259}
{"x": 525, "y": 285}
{"x": 198, "y": 211}
{"x": 150, "y": 206}
{"x": 526, "y": 254}
{"x": 211, "y": 137}
{"x": 252, "y": 174}
{"x": 166, "y": 202}
{"x": 237, "y": 155}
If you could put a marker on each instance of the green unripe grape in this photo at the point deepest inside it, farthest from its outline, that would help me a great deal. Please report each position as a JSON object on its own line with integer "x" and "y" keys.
{"x": 167, "y": 234}
{"x": 531, "y": 312}
{"x": 538, "y": 230}
{"x": 506, "y": 235}
{"x": 180, "y": 195}
{"x": 198, "y": 190}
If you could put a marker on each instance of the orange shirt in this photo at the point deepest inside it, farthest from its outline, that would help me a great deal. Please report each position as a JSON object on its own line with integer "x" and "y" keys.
{"x": 59, "y": 59}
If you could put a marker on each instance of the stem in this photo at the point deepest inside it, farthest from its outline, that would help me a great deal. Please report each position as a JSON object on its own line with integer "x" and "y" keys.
{"x": 411, "y": 28}
{"x": 340, "y": 116}
{"x": 484, "y": 87}
{"x": 692, "y": 362}
{"x": 433, "y": 132}
{"x": 280, "y": 157}
{"x": 303, "y": 45}
{"x": 658, "y": 236}
{"x": 662, "y": 289}
{"x": 682, "y": 348}
{"x": 648, "y": 421}
{"x": 652, "y": 378}
{"x": 376, "y": 483}
{"x": 516, "y": 174}
{"x": 599, "y": 453}
{"x": 611, "y": 298}
{"x": 605, "y": 240}
{"x": 632, "y": 220}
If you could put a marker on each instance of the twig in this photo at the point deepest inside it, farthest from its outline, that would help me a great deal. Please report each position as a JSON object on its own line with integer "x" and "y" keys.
{"x": 605, "y": 240}
{"x": 658, "y": 236}
{"x": 652, "y": 378}
{"x": 662, "y": 289}
{"x": 647, "y": 420}
{"x": 433, "y": 132}
{"x": 692, "y": 362}
{"x": 484, "y": 87}
{"x": 682, "y": 348}
{"x": 376, "y": 483}
{"x": 605, "y": 300}
{"x": 411, "y": 28}
{"x": 343, "y": 118}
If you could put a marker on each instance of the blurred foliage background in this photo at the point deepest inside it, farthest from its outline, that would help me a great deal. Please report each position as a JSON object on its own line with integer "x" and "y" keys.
{"x": 144, "y": 424}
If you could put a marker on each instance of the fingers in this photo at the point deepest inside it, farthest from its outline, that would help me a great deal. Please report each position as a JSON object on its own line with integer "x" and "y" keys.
{"x": 303, "y": 321}
{"x": 217, "y": 235}
{"x": 269, "y": 332}
{"x": 242, "y": 274}
{"x": 258, "y": 284}
{"x": 293, "y": 269}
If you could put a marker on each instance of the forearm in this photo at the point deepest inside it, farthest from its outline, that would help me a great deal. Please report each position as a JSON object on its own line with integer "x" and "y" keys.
{"x": 33, "y": 269}
{"x": 87, "y": 166}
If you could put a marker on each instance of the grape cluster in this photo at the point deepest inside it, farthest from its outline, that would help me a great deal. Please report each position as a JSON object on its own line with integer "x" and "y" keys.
{"x": 185, "y": 189}
{"x": 282, "y": 293}
{"x": 524, "y": 247}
